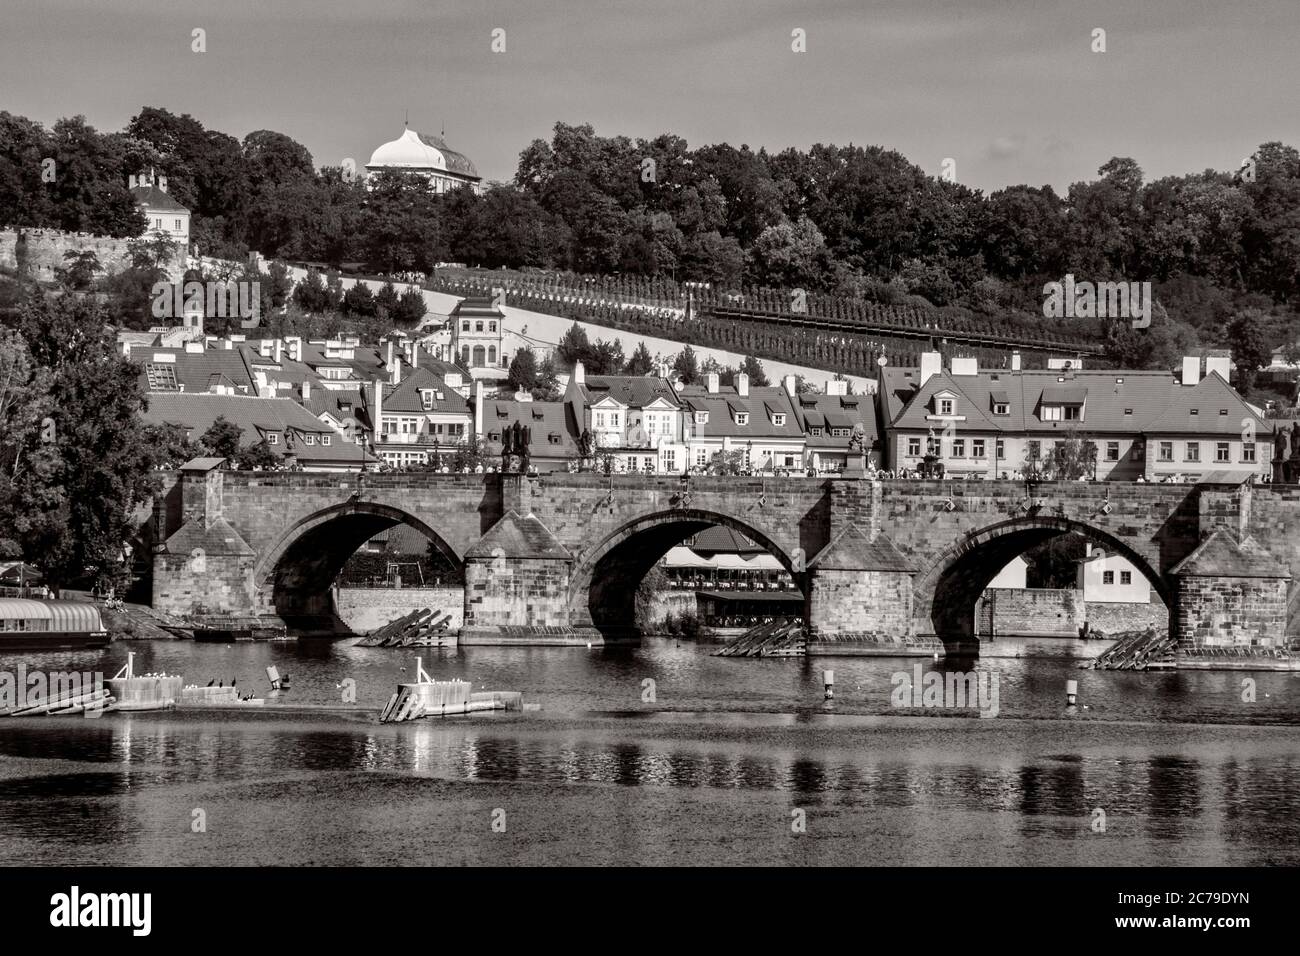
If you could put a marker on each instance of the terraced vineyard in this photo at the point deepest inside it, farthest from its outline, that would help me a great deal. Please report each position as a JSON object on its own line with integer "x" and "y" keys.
{"x": 837, "y": 333}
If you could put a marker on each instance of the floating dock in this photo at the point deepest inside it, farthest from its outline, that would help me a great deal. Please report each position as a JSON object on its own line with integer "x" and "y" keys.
{"x": 426, "y": 697}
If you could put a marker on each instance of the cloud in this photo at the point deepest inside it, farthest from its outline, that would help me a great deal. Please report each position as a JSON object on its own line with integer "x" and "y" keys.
{"x": 1006, "y": 147}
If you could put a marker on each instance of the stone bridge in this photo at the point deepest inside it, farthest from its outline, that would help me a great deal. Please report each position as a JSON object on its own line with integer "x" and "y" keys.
{"x": 556, "y": 559}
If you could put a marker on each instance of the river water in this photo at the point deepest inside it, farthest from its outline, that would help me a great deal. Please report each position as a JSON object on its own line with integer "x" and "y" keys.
{"x": 662, "y": 754}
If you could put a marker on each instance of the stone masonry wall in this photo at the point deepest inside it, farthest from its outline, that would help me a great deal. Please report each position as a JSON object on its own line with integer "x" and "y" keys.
{"x": 1231, "y": 612}
{"x": 1055, "y": 612}
{"x": 186, "y": 585}
{"x": 844, "y": 605}
{"x": 1115, "y": 617}
{"x": 509, "y": 599}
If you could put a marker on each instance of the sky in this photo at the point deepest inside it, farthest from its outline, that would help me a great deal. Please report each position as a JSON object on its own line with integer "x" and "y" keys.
{"x": 1010, "y": 90}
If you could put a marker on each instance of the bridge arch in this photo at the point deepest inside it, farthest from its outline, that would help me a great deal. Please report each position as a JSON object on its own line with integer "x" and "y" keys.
{"x": 605, "y": 577}
{"x": 945, "y": 594}
{"x": 296, "y": 572}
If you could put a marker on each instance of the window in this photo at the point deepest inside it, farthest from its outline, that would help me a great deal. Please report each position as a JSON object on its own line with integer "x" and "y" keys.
{"x": 272, "y": 438}
{"x": 932, "y": 446}
{"x": 324, "y": 439}
{"x": 742, "y": 418}
{"x": 1248, "y": 451}
{"x": 1000, "y": 448}
{"x": 492, "y": 326}
{"x": 1166, "y": 451}
{"x": 1035, "y": 450}
{"x": 464, "y": 326}
{"x": 778, "y": 419}
{"x": 959, "y": 448}
{"x": 1062, "y": 413}
{"x": 492, "y": 355}
{"x": 1001, "y": 408}
{"x": 701, "y": 418}
{"x": 478, "y": 326}
{"x": 816, "y": 432}
{"x": 1193, "y": 451}
{"x": 178, "y": 225}
{"x": 1126, "y": 577}
{"x": 1108, "y": 577}
{"x": 426, "y": 398}
{"x": 913, "y": 447}
{"x": 309, "y": 439}
{"x": 1112, "y": 451}
{"x": 946, "y": 406}
{"x": 157, "y": 223}
{"x": 1221, "y": 452}
{"x": 977, "y": 448}
{"x": 670, "y": 459}
{"x": 701, "y": 456}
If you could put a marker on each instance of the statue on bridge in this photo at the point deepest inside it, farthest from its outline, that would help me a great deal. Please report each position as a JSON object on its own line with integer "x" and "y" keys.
{"x": 515, "y": 440}
{"x": 1286, "y": 455}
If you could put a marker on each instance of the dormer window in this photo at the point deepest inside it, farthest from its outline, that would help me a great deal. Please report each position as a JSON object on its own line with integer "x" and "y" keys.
{"x": 324, "y": 439}
{"x": 272, "y": 438}
{"x": 426, "y": 396}
{"x": 742, "y": 418}
{"x": 1001, "y": 408}
{"x": 309, "y": 439}
{"x": 946, "y": 406}
{"x": 778, "y": 419}
{"x": 701, "y": 418}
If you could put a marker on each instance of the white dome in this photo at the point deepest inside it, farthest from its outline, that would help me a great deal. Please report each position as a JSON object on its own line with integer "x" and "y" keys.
{"x": 408, "y": 151}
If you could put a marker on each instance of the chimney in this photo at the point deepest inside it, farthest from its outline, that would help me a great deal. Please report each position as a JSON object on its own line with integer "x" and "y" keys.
{"x": 228, "y": 344}
{"x": 965, "y": 366}
{"x": 1218, "y": 363}
{"x": 415, "y": 355}
{"x": 837, "y": 386}
{"x": 279, "y": 351}
{"x": 478, "y": 406}
{"x": 579, "y": 374}
{"x": 742, "y": 384}
{"x": 306, "y": 391}
{"x": 389, "y": 361}
{"x": 713, "y": 383}
{"x": 295, "y": 347}
{"x": 396, "y": 371}
{"x": 1191, "y": 369}
{"x": 931, "y": 364}
{"x": 408, "y": 349}
{"x": 130, "y": 181}
{"x": 377, "y": 410}
{"x": 162, "y": 183}
{"x": 791, "y": 383}
{"x": 1015, "y": 361}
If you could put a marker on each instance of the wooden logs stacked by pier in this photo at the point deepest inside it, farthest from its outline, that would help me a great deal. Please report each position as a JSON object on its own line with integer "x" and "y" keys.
{"x": 423, "y": 628}
{"x": 776, "y": 639}
{"x": 69, "y": 702}
{"x": 1138, "y": 651}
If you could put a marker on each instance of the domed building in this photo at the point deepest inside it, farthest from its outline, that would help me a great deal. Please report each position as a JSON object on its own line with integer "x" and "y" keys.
{"x": 414, "y": 152}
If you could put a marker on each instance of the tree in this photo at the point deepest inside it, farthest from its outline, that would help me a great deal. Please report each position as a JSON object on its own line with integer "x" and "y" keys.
{"x": 72, "y": 483}
{"x": 222, "y": 440}
{"x": 686, "y": 366}
{"x": 754, "y": 369}
{"x": 359, "y": 300}
{"x": 259, "y": 456}
{"x": 523, "y": 371}
{"x": 1072, "y": 457}
{"x": 1251, "y": 349}
{"x": 410, "y": 307}
{"x": 386, "y": 300}
{"x": 574, "y": 346}
{"x": 641, "y": 362}
{"x": 78, "y": 272}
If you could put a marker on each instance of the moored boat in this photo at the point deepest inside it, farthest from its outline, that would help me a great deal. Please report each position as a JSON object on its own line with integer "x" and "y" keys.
{"x": 30, "y": 624}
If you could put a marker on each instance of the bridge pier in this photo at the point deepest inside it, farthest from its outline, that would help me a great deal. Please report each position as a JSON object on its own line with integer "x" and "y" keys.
{"x": 517, "y": 587}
